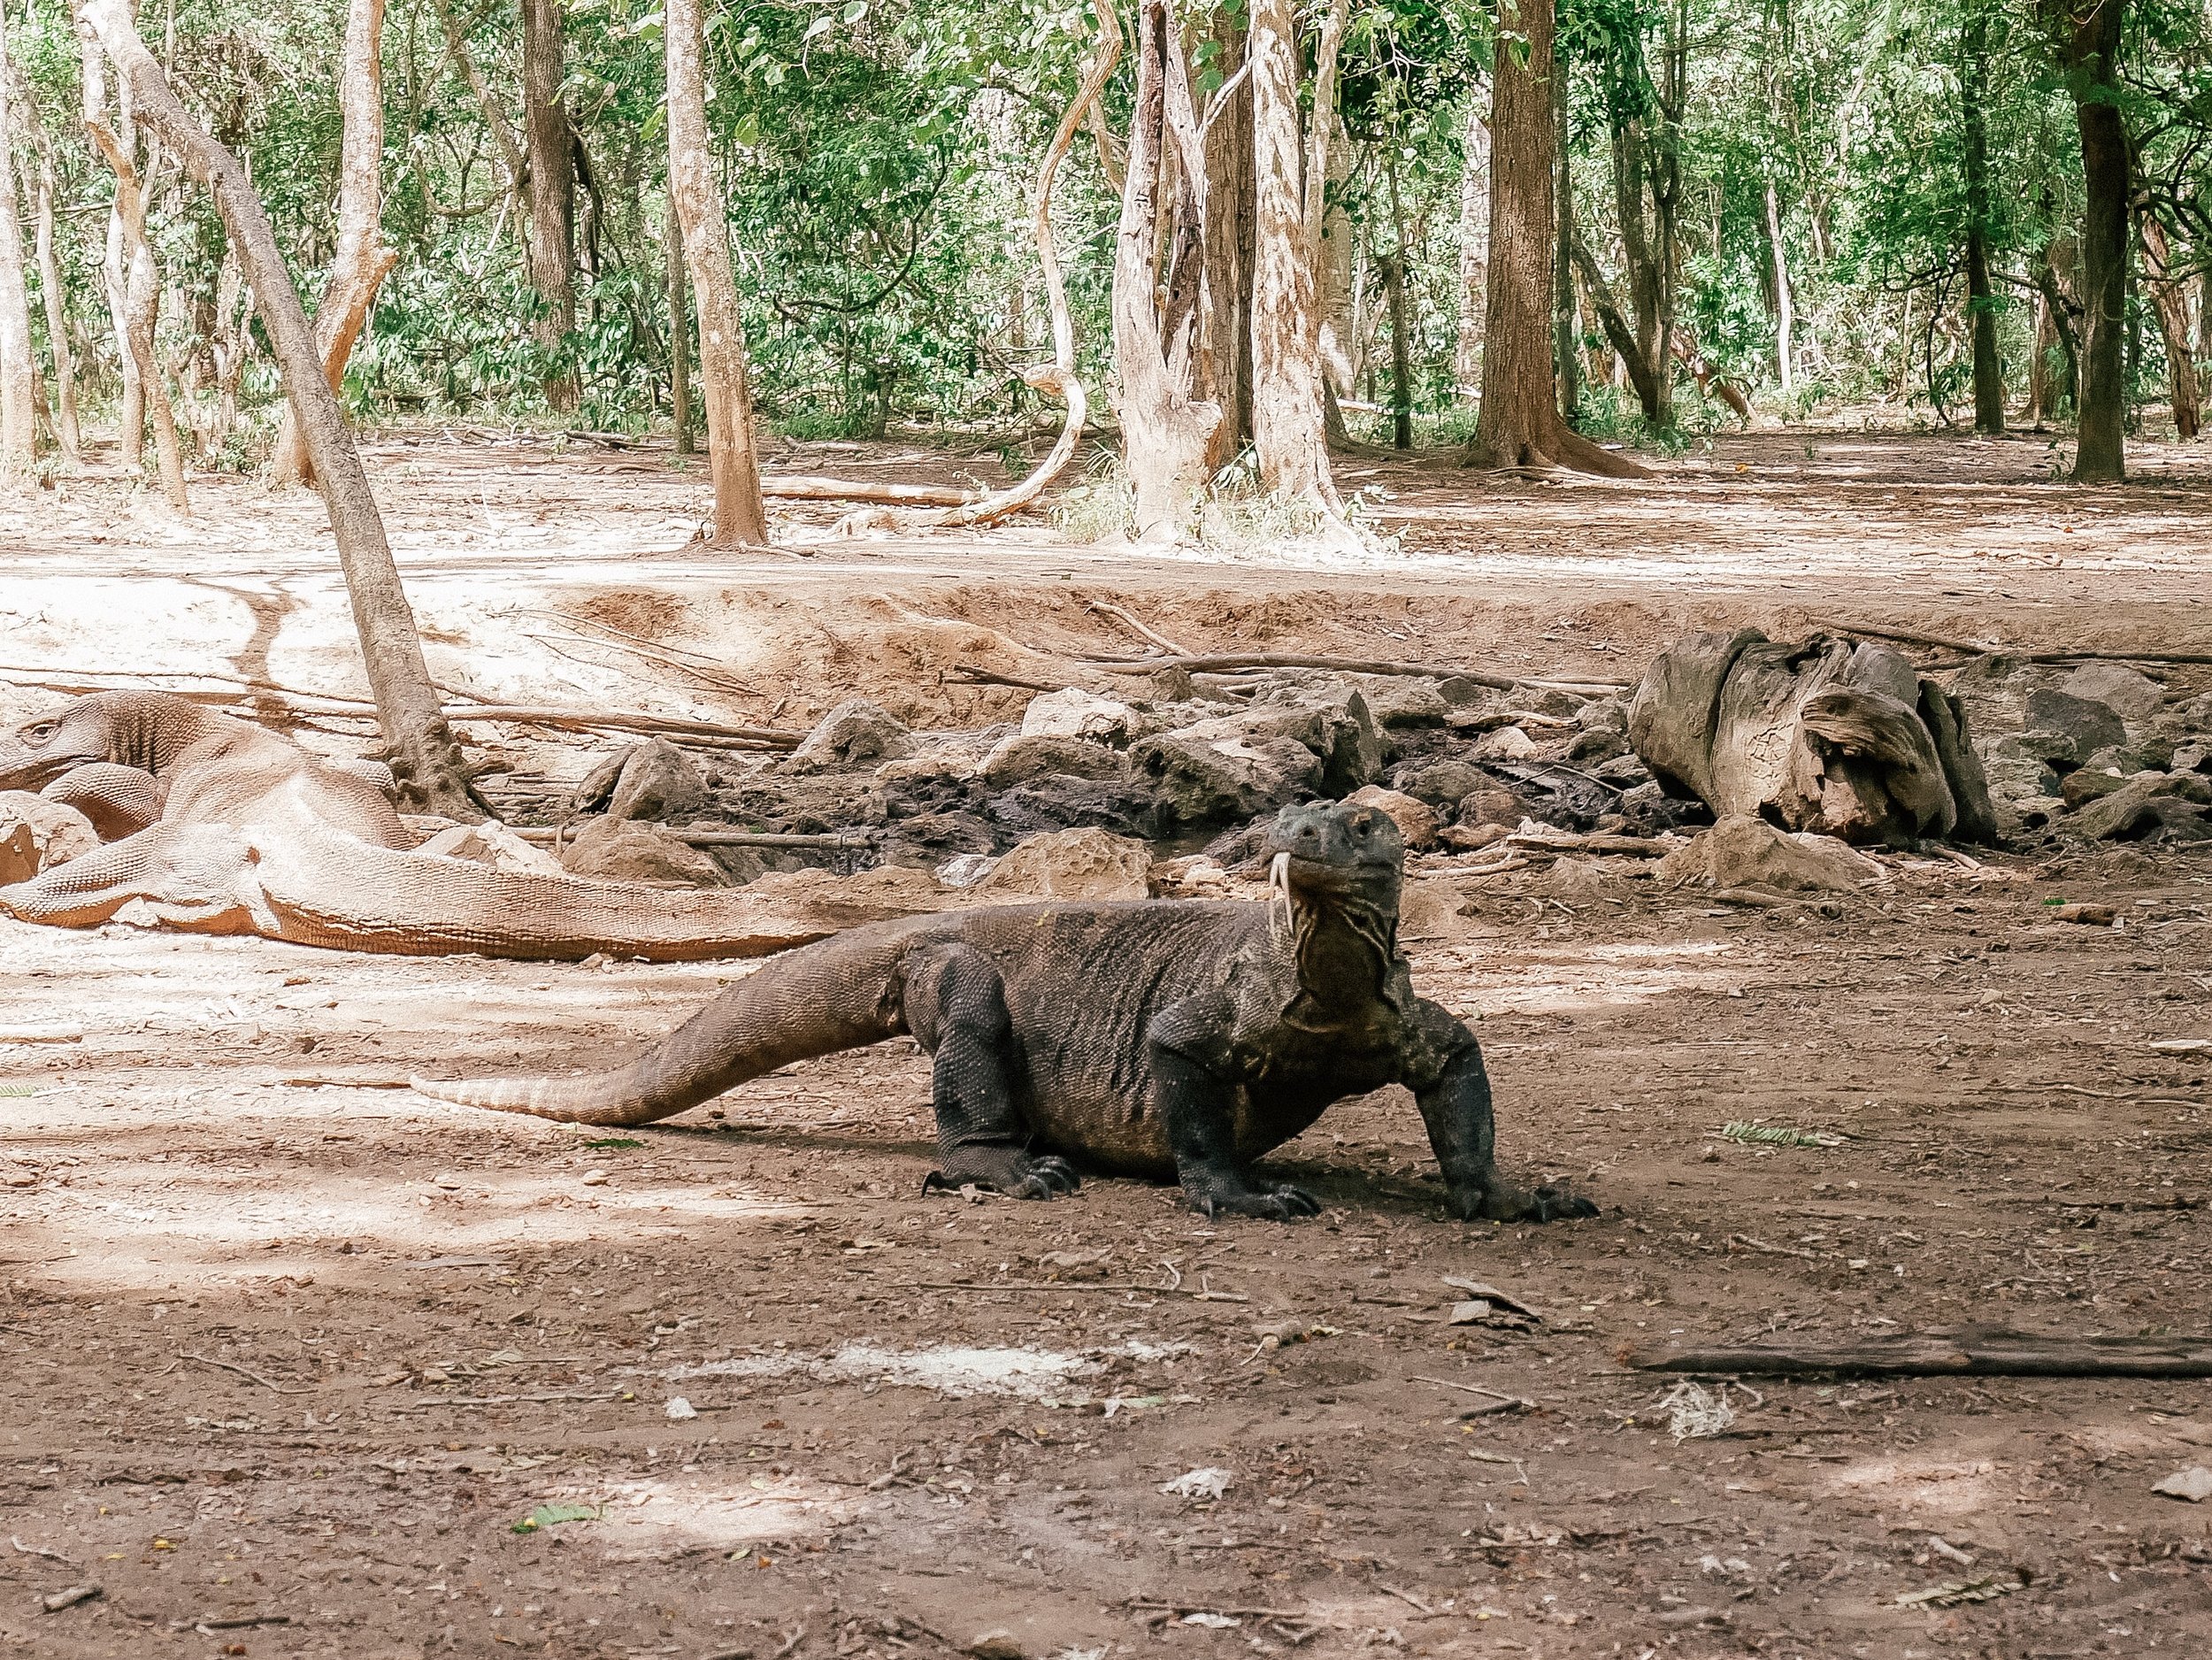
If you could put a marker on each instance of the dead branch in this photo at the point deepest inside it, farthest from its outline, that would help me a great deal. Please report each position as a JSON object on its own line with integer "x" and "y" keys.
{"x": 1977, "y": 649}
{"x": 1143, "y": 633}
{"x": 703, "y": 837}
{"x": 806, "y": 488}
{"x": 1975, "y": 1351}
{"x": 1234, "y": 663}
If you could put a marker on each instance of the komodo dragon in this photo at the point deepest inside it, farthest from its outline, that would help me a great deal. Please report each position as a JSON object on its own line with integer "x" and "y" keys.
{"x": 1152, "y": 1037}
{"x": 226, "y": 828}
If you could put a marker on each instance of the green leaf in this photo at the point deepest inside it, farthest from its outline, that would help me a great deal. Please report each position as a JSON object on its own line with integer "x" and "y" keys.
{"x": 854, "y": 10}
{"x": 614, "y": 1140}
{"x": 553, "y": 1515}
{"x": 820, "y": 26}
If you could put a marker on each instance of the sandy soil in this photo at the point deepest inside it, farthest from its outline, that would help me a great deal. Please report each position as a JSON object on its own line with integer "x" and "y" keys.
{"x": 291, "y": 1354}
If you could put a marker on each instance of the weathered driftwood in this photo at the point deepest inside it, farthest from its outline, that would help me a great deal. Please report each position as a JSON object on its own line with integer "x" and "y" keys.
{"x": 703, "y": 837}
{"x": 1820, "y": 735}
{"x": 1232, "y": 663}
{"x": 1979, "y": 1351}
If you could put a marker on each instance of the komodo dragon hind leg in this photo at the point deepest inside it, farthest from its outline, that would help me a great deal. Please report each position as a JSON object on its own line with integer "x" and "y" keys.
{"x": 956, "y": 1007}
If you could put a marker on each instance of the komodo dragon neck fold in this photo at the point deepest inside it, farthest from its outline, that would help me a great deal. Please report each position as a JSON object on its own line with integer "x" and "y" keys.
{"x": 1163, "y": 1039}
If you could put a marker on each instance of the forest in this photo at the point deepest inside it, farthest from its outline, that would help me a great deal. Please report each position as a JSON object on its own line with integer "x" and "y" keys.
{"x": 862, "y": 830}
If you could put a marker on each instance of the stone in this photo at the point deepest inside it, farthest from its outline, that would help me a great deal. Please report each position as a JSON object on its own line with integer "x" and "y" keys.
{"x": 1028, "y": 756}
{"x": 1418, "y": 822}
{"x": 1441, "y": 783}
{"x": 864, "y": 896}
{"x": 36, "y": 835}
{"x": 1507, "y": 743}
{"x": 1075, "y": 713}
{"x": 2192, "y": 757}
{"x": 1430, "y": 909}
{"x": 2088, "y": 724}
{"x": 1492, "y": 804}
{"x": 1335, "y": 724}
{"x": 1742, "y": 851}
{"x": 1576, "y": 879}
{"x": 2129, "y": 692}
{"x": 928, "y": 768}
{"x": 2128, "y": 759}
{"x": 853, "y": 733}
{"x": 928, "y": 840}
{"x": 2144, "y": 809}
{"x": 494, "y": 844}
{"x": 1544, "y": 700}
{"x": 611, "y": 850}
{"x": 1603, "y": 714}
{"x": 1080, "y": 864}
{"x": 2082, "y": 786}
{"x": 1218, "y": 769}
{"x": 1599, "y": 744}
{"x": 657, "y": 781}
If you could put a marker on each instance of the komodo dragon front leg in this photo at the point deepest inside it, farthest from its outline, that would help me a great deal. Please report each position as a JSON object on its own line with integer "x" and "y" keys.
{"x": 121, "y": 801}
{"x": 1445, "y": 1072}
{"x": 954, "y": 1005}
{"x": 1195, "y": 1093}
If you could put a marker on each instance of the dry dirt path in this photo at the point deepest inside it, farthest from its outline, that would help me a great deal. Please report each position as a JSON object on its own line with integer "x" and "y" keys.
{"x": 290, "y": 1354}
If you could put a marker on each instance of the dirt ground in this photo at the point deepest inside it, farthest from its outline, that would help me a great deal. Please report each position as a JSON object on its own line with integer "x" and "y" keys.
{"x": 292, "y": 1357}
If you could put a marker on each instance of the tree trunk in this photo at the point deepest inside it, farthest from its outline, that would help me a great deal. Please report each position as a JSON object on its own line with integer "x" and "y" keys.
{"x": 2089, "y": 49}
{"x": 1474, "y": 252}
{"x": 1981, "y": 299}
{"x": 1335, "y": 273}
{"x": 488, "y": 103}
{"x": 1785, "y": 311}
{"x": 678, "y": 333}
{"x": 552, "y": 169}
{"x": 2171, "y": 300}
{"x": 361, "y": 262}
{"x": 423, "y": 753}
{"x": 1518, "y": 425}
{"x": 55, "y": 298}
{"x": 18, "y": 421}
{"x": 141, "y": 286}
{"x": 1168, "y": 431}
{"x": 740, "y": 520}
{"x": 1224, "y": 363}
{"x": 1290, "y": 441}
{"x": 130, "y": 432}
{"x": 1566, "y": 354}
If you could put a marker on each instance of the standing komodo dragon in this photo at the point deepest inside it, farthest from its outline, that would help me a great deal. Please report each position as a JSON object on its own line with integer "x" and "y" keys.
{"x": 1153, "y": 1037}
{"x": 226, "y": 828}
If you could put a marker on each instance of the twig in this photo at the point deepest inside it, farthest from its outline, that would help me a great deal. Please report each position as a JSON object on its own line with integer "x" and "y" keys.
{"x": 1232, "y": 663}
{"x": 208, "y": 1360}
{"x": 1475, "y": 1388}
{"x": 1406, "y": 1597}
{"x": 34, "y": 1550}
{"x": 789, "y": 1643}
{"x": 235, "y": 1622}
{"x": 985, "y": 677}
{"x": 1208, "y": 1295}
{"x": 1154, "y": 635}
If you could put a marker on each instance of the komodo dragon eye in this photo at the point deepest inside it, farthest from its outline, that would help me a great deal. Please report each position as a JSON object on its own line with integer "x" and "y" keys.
{"x": 42, "y": 734}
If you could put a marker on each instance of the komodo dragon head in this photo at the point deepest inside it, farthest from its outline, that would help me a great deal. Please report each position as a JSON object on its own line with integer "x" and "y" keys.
{"x": 138, "y": 729}
{"x": 1346, "y": 861}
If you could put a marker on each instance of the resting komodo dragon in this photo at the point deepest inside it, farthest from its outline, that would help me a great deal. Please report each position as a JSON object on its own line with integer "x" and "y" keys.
{"x": 217, "y": 826}
{"x": 1153, "y": 1037}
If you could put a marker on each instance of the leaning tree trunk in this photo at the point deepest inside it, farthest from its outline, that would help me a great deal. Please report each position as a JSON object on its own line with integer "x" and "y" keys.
{"x": 1981, "y": 299}
{"x": 1167, "y": 430}
{"x": 740, "y": 520}
{"x": 55, "y": 298}
{"x": 552, "y": 168}
{"x": 2088, "y": 35}
{"x": 678, "y": 333}
{"x": 2170, "y": 301}
{"x": 1518, "y": 425}
{"x": 1784, "y": 304}
{"x": 423, "y": 752}
{"x": 1474, "y": 250}
{"x": 1289, "y": 439}
{"x": 141, "y": 286}
{"x": 18, "y": 420}
{"x": 358, "y": 267}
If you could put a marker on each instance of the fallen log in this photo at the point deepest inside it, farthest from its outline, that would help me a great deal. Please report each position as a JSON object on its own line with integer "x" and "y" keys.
{"x": 799, "y": 486}
{"x": 1236, "y": 662}
{"x": 702, "y": 837}
{"x": 1568, "y": 842}
{"x": 1976, "y": 649}
{"x": 1981, "y": 1352}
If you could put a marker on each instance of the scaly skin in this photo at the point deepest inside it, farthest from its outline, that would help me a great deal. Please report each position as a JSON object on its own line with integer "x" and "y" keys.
{"x": 1159, "y": 1039}
{"x": 216, "y": 825}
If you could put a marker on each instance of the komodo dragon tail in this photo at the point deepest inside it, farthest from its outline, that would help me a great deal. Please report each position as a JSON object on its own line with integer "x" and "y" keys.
{"x": 316, "y": 888}
{"x": 840, "y": 995}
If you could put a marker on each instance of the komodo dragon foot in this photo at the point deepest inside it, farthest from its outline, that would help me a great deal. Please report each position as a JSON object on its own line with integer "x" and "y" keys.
{"x": 1230, "y": 1197}
{"x": 1499, "y": 1203}
{"x": 996, "y": 1169}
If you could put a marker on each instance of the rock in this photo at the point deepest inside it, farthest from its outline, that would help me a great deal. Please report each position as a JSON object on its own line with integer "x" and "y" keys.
{"x": 1544, "y": 700}
{"x": 1217, "y": 770}
{"x": 1442, "y": 783}
{"x": 2087, "y": 725}
{"x": 1746, "y": 852}
{"x": 1429, "y": 908}
{"x": 1399, "y": 700}
{"x": 2193, "y": 1485}
{"x": 494, "y": 844}
{"x": 1082, "y": 864}
{"x": 1029, "y": 755}
{"x": 1059, "y": 802}
{"x": 2143, "y": 809}
{"x": 743, "y": 866}
{"x": 1603, "y": 714}
{"x": 2089, "y": 916}
{"x": 1576, "y": 879}
{"x": 852, "y": 732}
{"x": 2192, "y": 757}
{"x": 657, "y": 781}
{"x": 1492, "y": 804}
{"x": 611, "y": 850}
{"x": 1416, "y": 820}
{"x": 2083, "y": 786}
{"x": 2128, "y": 759}
{"x": 1507, "y": 743}
{"x": 1336, "y": 724}
{"x": 1599, "y": 744}
{"x": 1075, "y": 713}
{"x": 928, "y": 768}
{"x": 36, "y": 835}
{"x": 965, "y": 869}
{"x": 928, "y": 840}
{"x": 848, "y": 902}
{"x": 2129, "y": 692}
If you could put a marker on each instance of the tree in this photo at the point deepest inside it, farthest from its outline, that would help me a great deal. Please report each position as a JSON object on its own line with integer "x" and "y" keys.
{"x": 1981, "y": 299}
{"x": 424, "y": 756}
{"x": 18, "y": 418}
{"x": 358, "y": 268}
{"x": 1519, "y": 423}
{"x": 550, "y": 144}
{"x": 2087, "y": 33}
{"x": 740, "y": 519}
